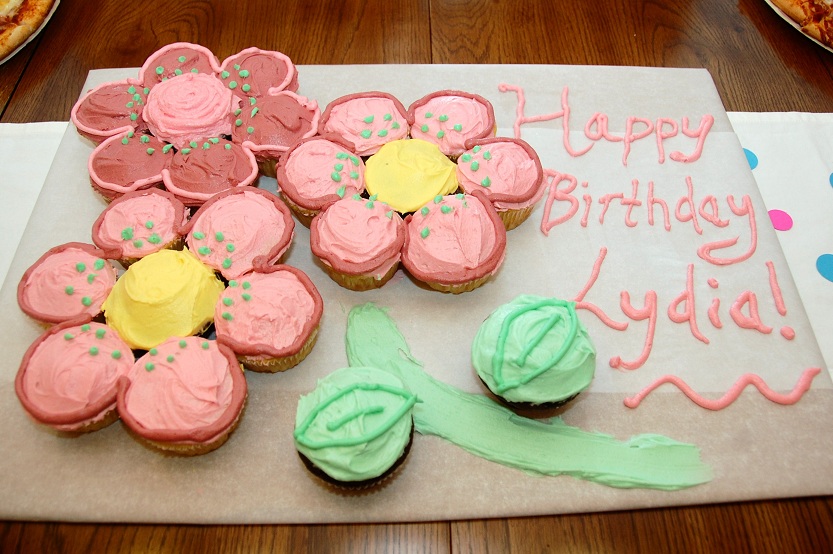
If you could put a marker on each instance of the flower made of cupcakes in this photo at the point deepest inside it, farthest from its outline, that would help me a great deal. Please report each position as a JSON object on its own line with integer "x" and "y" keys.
{"x": 193, "y": 125}
{"x": 429, "y": 186}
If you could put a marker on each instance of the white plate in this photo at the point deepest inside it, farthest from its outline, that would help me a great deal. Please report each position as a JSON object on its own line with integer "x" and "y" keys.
{"x": 795, "y": 25}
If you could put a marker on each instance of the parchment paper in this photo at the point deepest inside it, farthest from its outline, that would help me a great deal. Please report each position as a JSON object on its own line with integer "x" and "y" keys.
{"x": 756, "y": 448}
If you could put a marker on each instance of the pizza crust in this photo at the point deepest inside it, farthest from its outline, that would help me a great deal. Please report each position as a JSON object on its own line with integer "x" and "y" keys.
{"x": 814, "y": 16}
{"x": 19, "y": 19}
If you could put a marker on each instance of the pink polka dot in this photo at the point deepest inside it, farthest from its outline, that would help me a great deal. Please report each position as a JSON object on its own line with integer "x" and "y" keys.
{"x": 781, "y": 220}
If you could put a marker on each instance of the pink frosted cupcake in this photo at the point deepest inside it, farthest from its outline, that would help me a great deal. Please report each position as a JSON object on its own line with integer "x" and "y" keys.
{"x": 269, "y": 125}
{"x": 449, "y": 118}
{"x": 269, "y": 318}
{"x": 69, "y": 281}
{"x": 128, "y": 162}
{"x": 183, "y": 397}
{"x": 141, "y": 223}
{"x": 367, "y": 120}
{"x": 110, "y": 109}
{"x": 254, "y": 72}
{"x": 507, "y": 171}
{"x": 239, "y": 229}
{"x": 67, "y": 379}
{"x": 318, "y": 171}
{"x": 177, "y": 59}
{"x": 358, "y": 241}
{"x": 454, "y": 243}
{"x": 206, "y": 167}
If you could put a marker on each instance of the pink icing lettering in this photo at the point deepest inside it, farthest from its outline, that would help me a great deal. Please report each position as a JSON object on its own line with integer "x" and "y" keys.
{"x": 700, "y": 133}
{"x": 662, "y": 135}
{"x": 787, "y": 332}
{"x": 599, "y": 120}
{"x": 648, "y": 312}
{"x": 688, "y": 200}
{"x": 802, "y": 386}
{"x": 705, "y": 251}
{"x": 592, "y": 308}
{"x": 776, "y": 289}
{"x": 751, "y": 321}
{"x": 588, "y": 203}
{"x": 631, "y": 136}
{"x": 653, "y": 201}
{"x": 556, "y": 195}
{"x": 686, "y": 299}
{"x": 712, "y": 215}
{"x": 631, "y": 203}
{"x": 605, "y": 202}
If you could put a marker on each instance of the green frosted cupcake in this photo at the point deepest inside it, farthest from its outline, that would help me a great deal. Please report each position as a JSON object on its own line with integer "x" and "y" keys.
{"x": 534, "y": 351}
{"x": 355, "y": 428}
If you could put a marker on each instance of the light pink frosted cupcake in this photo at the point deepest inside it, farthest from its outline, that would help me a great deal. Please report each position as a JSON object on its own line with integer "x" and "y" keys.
{"x": 318, "y": 171}
{"x": 67, "y": 282}
{"x": 67, "y": 379}
{"x": 128, "y": 162}
{"x": 271, "y": 124}
{"x": 367, "y": 120}
{"x": 359, "y": 242}
{"x": 269, "y": 318}
{"x": 507, "y": 171}
{"x": 183, "y": 397}
{"x": 454, "y": 243}
{"x": 206, "y": 167}
{"x": 141, "y": 223}
{"x": 239, "y": 229}
{"x": 449, "y": 118}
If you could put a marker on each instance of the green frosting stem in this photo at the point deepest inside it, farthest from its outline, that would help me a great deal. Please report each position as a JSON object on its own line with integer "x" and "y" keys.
{"x": 491, "y": 431}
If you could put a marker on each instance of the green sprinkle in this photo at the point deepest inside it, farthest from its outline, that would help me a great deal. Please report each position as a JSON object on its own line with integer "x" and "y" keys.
{"x": 80, "y": 267}
{"x": 232, "y": 283}
{"x": 153, "y": 352}
{"x": 193, "y": 144}
{"x": 250, "y": 129}
{"x": 214, "y": 140}
{"x": 204, "y": 250}
{"x": 338, "y": 167}
{"x": 146, "y": 90}
{"x": 170, "y": 358}
{"x": 204, "y": 345}
{"x": 134, "y": 116}
{"x": 68, "y": 336}
{"x": 368, "y": 119}
{"x": 206, "y": 145}
{"x": 227, "y": 146}
{"x": 154, "y": 239}
{"x": 186, "y": 150}
{"x": 85, "y": 327}
{"x": 389, "y": 214}
{"x": 228, "y": 301}
{"x": 124, "y": 140}
{"x": 199, "y": 235}
{"x": 341, "y": 190}
{"x": 238, "y": 111}
{"x": 394, "y": 125}
{"x": 87, "y": 301}
{"x": 429, "y": 115}
{"x": 227, "y": 316}
{"x": 167, "y": 148}
{"x": 255, "y": 110}
{"x": 487, "y": 155}
{"x": 129, "y": 105}
{"x": 354, "y": 174}
{"x": 115, "y": 354}
{"x": 131, "y": 89}
{"x": 382, "y": 133}
{"x": 145, "y": 139}
{"x": 91, "y": 278}
{"x": 458, "y": 127}
{"x": 238, "y": 122}
{"x": 98, "y": 264}
{"x": 219, "y": 236}
{"x": 486, "y": 182}
{"x": 438, "y": 199}
{"x": 150, "y": 151}
{"x": 466, "y": 157}
{"x": 225, "y": 74}
{"x": 335, "y": 176}
{"x": 148, "y": 224}
{"x": 369, "y": 205}
{"x": 387, "y": 117}
{"x": 424, "y": 128}
{"x": 246, "y": 285}
{"x": 440, "y": 134}
{"x": 355, "y": 160}
{"x": 366, "y": 133}
{"x": 93, "y": 351}
{"x": 424, "y": 211}
{"x": 252, "y": 101}
{"x": 475, "y": 165}
{"x": 226, "y": 263}
{"x": 69, "y": 289}
{"x": 160, "y": 70}
{"x": 445, "y": 208}
{"x": 237, "y": 66}
{"x": 181, "y": 59}
{"x": 244, "y": 73}
{"x": 177, "y": 71}
{"x": 194, "y": 70}
{"x": 229, "y": 247}
{"x": 459, "y": 196}
{"x": 476, "y": 149}
{"x": 150, "y": 366}
{"x": 425, "y": 232}
{"x": 443, "y": 117}
{"x": 183, "y": 343}
{"x": 246, "y": 88}
{"x": 341, "y": 156}
{"x": 246, "y": 296}
{"x": 99, "y": 333}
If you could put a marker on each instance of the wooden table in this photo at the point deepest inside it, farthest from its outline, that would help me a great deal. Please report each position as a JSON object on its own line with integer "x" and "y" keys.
{"x": 758, "y": 62}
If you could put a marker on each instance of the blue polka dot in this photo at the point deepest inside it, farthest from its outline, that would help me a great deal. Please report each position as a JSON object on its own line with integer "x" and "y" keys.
{"x": 824, "y": 264}
{"x": 830, "y": 179}
{"x": 753, "y": 159}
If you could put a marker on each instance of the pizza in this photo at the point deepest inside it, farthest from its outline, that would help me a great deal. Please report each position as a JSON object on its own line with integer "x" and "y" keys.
{"x": 814, "y": 16}
{"x": 19, "y": 19}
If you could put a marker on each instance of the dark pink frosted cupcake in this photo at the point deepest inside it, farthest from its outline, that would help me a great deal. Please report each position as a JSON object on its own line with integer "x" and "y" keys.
{"x": 507, "y": 171}
{"x": 449, "y": 118}
{"x": 367, "y": 120}
{"x": 69, "y": 281}
{"x": 317, "y": 171}
{"x": 110, "y": 109}
{"x": 254, "y": 72}
{"x": 141, "y": 223}
{"x": 454, "y": 243}
{"x": 67, "y": 379}
{"x": 128, "y": 162}
{"x": 239, "y": 229}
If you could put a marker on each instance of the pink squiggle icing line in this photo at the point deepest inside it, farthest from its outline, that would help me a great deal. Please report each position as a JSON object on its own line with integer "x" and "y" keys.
{"x": 802, "y": 386}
